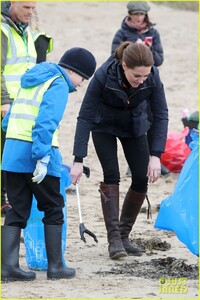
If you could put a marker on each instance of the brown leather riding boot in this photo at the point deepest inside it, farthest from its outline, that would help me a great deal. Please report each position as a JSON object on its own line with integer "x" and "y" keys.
{"x": 130, "y": 209}
{"x": 110, "y": 207}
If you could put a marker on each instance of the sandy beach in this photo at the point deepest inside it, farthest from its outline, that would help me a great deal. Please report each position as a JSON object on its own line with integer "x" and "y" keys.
{"x": 92, "y": 25}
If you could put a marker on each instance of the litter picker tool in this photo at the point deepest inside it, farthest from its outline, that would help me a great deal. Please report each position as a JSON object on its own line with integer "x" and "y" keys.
{"x": 82, "y": 227}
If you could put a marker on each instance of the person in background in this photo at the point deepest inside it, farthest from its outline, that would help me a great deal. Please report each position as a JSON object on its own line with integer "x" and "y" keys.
{"x": 136, "y": 27}
{"x": 32, "y": 160}
{"x": 43, "y": 41}
{"x": 115, "y": 108}
{"x": 18, "y": 54}
{"x": 43, "y": 45}
{"x": 20, "y": 50}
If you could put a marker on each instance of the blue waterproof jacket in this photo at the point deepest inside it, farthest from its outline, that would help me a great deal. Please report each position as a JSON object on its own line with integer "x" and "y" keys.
{"x": 108, "y": 107}
{"x": 126, "y": 33}
{"x": 21, "y": 156}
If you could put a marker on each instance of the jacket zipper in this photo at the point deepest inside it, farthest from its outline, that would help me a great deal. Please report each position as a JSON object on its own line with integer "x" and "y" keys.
{"x": 127, "y": 98}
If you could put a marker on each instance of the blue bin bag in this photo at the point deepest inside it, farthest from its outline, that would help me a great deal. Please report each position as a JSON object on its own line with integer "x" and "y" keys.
{"x": 179, "y": 212}
{"x": 34, "y": 241}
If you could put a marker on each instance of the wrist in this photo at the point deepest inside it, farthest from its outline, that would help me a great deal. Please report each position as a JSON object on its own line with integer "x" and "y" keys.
{"x": 45, "y": 159}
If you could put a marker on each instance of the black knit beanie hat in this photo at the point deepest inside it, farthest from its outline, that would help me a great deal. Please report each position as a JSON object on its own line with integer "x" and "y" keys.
{"x": 79, "y": 60}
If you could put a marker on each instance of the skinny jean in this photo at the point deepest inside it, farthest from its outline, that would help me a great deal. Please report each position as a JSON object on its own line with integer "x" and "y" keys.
{"x": 136, "y": 152}
{"x": 20, "y": 191}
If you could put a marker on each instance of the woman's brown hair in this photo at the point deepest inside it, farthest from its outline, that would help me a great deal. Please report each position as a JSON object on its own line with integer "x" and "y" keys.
{"x": 134, "y": 55}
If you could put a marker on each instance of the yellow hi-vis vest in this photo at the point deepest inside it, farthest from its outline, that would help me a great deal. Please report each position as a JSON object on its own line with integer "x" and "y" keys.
{"x": 20, "y": 58}
{"x": 25, "y": 110}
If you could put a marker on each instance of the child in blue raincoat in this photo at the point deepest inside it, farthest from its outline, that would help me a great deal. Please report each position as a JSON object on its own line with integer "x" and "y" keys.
{"x": 32, "y": 160}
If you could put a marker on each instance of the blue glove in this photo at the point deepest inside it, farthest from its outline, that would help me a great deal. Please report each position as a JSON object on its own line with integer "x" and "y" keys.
{"x": 41, "y": 169}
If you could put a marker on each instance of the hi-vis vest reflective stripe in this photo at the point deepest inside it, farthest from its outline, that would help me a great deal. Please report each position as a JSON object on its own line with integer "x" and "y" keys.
{"x": 20, "y": 58}
{"x": 25, "y": 110}
{"x": 50, "y": 44}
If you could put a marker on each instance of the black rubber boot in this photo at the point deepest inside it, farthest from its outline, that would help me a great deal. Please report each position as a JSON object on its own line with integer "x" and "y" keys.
{"x": 10, "y": 245}
{"x": 130, "y": 209}
{"x": 53, "y": 240}
{"x": 110, "y": 207}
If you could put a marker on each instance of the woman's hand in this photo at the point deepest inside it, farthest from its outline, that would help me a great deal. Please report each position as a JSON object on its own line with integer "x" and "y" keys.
{"x": 154, "y": 169}
{"x": 76, "y": 172}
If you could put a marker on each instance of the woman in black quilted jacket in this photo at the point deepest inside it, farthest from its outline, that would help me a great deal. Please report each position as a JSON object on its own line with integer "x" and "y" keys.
{"x": 115, "y": 108}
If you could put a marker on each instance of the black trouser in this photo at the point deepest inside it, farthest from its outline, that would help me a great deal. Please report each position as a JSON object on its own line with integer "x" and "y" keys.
{"x": 20, "y": 194}
{"x": 136, "y": 152}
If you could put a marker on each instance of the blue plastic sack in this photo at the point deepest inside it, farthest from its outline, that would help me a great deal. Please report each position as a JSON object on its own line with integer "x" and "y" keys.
{"x": 179, "y": 212}
{"x": 34, "y": 241}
